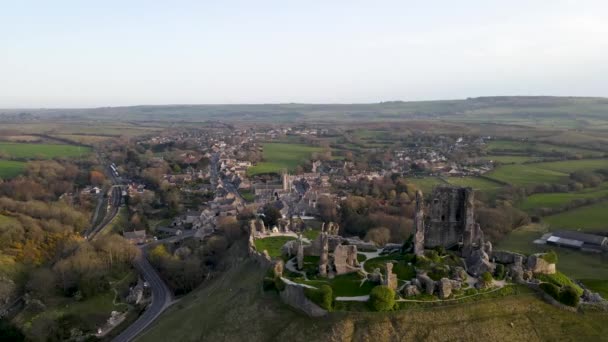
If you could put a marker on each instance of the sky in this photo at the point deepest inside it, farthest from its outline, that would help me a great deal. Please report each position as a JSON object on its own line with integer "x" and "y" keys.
{"x": 116, "y": 53}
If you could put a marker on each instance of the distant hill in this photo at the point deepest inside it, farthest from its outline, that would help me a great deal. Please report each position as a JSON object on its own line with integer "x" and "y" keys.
{"x": 528, "y": 110}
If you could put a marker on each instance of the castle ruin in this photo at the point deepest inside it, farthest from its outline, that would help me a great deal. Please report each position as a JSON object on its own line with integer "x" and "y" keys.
{"x": 450, "y": 220}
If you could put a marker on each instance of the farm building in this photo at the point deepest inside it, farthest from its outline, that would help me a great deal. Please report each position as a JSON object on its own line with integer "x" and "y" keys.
{"x": 136, "y": 236}
{"x": 578, "y": 240}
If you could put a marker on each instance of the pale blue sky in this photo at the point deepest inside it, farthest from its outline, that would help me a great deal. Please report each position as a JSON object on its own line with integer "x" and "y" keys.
{"x": 109, "y": 53}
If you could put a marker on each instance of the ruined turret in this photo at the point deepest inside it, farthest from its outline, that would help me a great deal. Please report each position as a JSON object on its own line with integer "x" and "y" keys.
{"x": 324, "y": 257}
{"x": 419, "y": 225}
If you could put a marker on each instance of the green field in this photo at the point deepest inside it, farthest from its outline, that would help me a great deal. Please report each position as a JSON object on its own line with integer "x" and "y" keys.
{"x": 539, "y": 148}
{"x": 573, "y": 263}
{"x": 526, "y": 174}
{"x": 569, "y": 166}
{"x": 426, "y": 184}
{"x": 41, "y": 151}
{"x": 476, "y": 183}
{"x": 10, "y": 169}
{"x": 281, "y": 156}
{"x": 559, "y": 199}
{"x": 508, "y": 159}
{"x": 272, "y": 244}
{"x": 549, "y": 172}
{"x": 592, "y": 218}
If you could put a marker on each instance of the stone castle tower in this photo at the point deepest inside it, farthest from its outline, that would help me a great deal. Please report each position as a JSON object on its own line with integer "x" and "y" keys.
{"x": 450, "y": 219}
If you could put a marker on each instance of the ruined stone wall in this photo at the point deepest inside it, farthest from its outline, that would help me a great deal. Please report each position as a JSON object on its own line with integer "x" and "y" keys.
{"x": 450, "y": 215}
{"x": 293, "y": 295}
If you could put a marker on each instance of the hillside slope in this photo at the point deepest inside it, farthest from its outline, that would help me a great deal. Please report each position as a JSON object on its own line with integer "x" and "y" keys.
{"x": 232, "y": 307}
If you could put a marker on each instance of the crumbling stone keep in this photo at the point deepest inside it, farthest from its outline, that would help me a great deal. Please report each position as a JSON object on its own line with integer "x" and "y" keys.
{"x": 419, "y": 225}
{"x": 345, "y": 259}
{"x": 450, "y": 220}
{"x": 324, "y": 255}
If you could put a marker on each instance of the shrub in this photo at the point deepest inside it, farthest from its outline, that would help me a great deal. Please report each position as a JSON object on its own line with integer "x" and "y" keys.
{"x": 499, "y": 273}
{"x": 433, "y": 256}
{"x": 550, "y": 257}
{"x": 440, "y": 250}
{"x": 471, "y": 291}
{"x": 382, "y": 298}
{"x": 279, "y": 284}
{"x": 268, "y": 284}
{"x": 439, "y": 272}
{"x": 486, "y": 277}
{"x": 323, "y": 296}
{"x": 560, "y": 280}
{"x": 551, "y": 289}
{"x": 569, "y": 296}
{"x": 422, "y": 262}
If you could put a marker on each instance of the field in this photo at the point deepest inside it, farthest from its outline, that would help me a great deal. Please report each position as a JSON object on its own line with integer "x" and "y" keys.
{"x": 573, "y": 263}
{"x": 526, "y": 174}
{"x": 570, "y": 166}
{"x": 509, "y": 159}
{"x": 559, "y": 199}
{"x": 10, "y": 169}
{"x": 476, "y": 183}
{"x": 84, "y": 139}
{"x": 231, "y": 306}
{"x": 426, "y": 184}
{"x": 592, "y": 218}
{"x": 281, "y": 156}
{"x": 536, "y": 148}
{"x": 41, "y": 151}
{"x": 549, "y": 172}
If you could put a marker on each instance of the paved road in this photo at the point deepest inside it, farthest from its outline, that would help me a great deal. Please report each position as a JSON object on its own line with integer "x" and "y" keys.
{"x": 161, "y": 300}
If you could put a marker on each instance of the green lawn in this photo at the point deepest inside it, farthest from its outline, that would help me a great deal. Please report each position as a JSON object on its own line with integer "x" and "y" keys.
{"x": 10, "y": 169}
{"x": 346, "y": 285}
{"x": 558, "y": 199}
{"x": 282, "y": 156}
{"x": 272, "y": 244}
{"x": 248, "y": 195}
{"x": 400, "y": 267}
{"x": 41, "y": 151}
{"x": 476, "y": 183}
{"x": 597, "y": 285}
{"x": 592, "y": 218}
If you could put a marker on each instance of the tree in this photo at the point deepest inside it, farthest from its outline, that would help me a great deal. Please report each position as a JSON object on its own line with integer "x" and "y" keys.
{"x": 379, "y": 235}
{"x": 41, "y": 283}
{"x": 97, "y": 178}
{"x": 327, "y": 209}
{"x": 382, "y": 298}
{"x": 9, "y": 332}
{"x": 271, "y": 215}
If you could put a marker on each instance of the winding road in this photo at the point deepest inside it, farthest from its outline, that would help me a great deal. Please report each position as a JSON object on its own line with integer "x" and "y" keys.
{"x": 161, "y": 300}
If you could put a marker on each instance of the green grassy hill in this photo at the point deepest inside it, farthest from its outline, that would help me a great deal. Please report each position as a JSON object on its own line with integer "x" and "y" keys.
{"x": 233, "y": 307}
